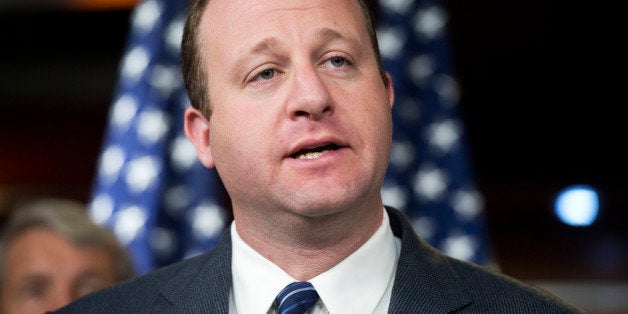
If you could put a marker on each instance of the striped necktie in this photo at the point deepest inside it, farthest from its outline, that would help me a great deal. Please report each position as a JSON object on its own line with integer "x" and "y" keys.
{"x": 297, "y": 297}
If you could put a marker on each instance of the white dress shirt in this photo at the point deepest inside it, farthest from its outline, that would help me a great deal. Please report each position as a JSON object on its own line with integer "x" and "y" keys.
{"x": 361, "y": 283}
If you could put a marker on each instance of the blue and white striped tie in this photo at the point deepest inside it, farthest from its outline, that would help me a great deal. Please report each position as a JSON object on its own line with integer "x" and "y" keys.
{"x": 297, "y": 297}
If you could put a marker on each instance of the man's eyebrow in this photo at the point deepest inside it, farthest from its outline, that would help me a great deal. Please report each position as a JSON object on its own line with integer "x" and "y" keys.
{"x": 266, "y": 45}
{"x": 327, "y": 34}
{"x": 269, "y": 45}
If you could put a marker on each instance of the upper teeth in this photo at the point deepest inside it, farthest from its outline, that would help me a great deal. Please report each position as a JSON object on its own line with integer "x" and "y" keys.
{"x": 312, "y": 155}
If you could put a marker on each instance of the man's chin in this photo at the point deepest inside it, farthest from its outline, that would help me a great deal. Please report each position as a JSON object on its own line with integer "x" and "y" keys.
{"x": 323, "y": 205}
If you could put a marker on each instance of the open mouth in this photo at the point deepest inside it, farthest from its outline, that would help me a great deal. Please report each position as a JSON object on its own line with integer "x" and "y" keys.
{"x": 315, "y": 152}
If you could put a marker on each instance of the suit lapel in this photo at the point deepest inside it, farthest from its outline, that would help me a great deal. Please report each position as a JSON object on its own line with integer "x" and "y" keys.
{"x": 424, "y": 281}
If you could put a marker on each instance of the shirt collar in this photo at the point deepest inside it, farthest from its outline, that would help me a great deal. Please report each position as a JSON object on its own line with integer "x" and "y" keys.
{"x": 256, "y": 280}
{"x": 355, "y": 285}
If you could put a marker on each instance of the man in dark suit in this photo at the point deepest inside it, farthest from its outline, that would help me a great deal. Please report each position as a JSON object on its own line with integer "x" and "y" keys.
{"x": 291, "y": 106}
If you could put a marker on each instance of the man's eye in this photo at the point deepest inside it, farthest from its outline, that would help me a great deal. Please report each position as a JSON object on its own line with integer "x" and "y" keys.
{"x": 338, "y": 61}
{"x": 266, "y": 74}
{"x": 34, "y": 291}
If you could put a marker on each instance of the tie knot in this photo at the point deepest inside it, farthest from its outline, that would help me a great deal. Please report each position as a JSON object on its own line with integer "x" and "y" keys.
{"x": 297, "y": 297}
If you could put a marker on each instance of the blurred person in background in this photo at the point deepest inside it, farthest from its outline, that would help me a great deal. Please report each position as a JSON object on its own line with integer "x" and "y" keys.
{"x": 52, "y": 253}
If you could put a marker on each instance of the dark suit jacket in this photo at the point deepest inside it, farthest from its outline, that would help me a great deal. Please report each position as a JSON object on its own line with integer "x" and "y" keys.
{"x": 426, "y": 281}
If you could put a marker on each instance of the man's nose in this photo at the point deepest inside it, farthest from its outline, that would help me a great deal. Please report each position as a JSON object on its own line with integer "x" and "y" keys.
{"x": 309, "y": 95}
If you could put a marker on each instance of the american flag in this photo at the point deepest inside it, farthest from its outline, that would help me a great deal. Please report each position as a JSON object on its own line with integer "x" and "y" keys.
{"x": 430, "y": 175}
{"x": 152, "y": 191}
{"x": 150, "y": 188}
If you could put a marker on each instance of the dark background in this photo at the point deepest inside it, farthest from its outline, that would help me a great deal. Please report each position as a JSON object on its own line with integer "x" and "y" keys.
{"x": 540, "y": 99}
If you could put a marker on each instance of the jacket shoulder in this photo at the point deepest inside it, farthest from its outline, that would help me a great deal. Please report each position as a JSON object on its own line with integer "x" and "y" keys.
{"x": 197, "y": 283}
{"x": 429, "y": 281}
{"x": 491, "y": 291}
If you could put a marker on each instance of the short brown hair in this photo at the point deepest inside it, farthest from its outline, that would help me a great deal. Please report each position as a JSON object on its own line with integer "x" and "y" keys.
{"x": 195, "y": 77}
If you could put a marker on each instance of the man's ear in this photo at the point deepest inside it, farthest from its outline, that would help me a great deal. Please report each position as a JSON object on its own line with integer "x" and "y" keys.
{"x": 390, "y": 89}
{"x": 196, "y": 128}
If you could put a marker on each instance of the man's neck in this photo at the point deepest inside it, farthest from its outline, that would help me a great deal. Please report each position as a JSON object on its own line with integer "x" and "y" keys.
{"x": 305, "y": 247}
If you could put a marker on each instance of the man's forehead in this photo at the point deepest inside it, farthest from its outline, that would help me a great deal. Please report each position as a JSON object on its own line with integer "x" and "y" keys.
{"x": 239, "y": 11}
{"x": 323, "y": 34}
{"x": 257, "y": 23}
